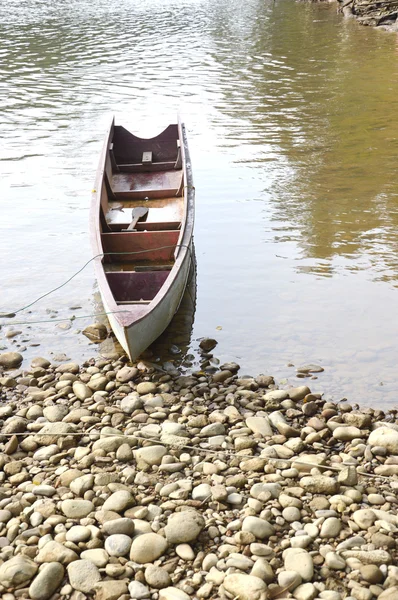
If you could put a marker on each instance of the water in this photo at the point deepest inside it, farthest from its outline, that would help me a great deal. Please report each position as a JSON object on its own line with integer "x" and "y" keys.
{"x": 291, "y": 115}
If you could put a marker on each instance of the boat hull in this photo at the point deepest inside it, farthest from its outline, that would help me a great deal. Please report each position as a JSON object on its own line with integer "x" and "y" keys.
{"x": 142, "y": 266}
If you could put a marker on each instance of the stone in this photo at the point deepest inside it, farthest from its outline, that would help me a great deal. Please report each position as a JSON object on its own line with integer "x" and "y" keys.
{"x": 319, "y": 484}
{"x": 55, "y": 413}
{"x": 83, "y": 575}
{"x": 130, "y": 403}
{"x": 348, "y": 476}
{"x": 76, "y": 508}
{"x": 369, "y": 557}
{"x": 305, "y": 591}
{"x": 331, "y": 527}
{"x": 260, "y": 425}
{"x": 152, "y": 455}
{"x": 364, "y": 518}
{"x": 17, "y": 571}
{"x": 335, "y": 561}
{"x": 126, "y": 374}
{"x": 146, "y": 387}
{"x": 110, "y": 590}
{"x": 173, "y": 593}
{"x": 185, "y": 552}
{"x": 69, "y": 367}
{"x": 98, "y": 556}
{"x": 81, "y": 485}
{"x": 390, "y": 594}
{"x": 118, "y": 544}
{"x": 207, "y": 344}
{"x": 201, "y": 492}
{"x": 258, "y": 489}
{"x": 110, "y": 443}
{"x": 147, "y": 547}
{"x": 124, "y": 453}
{"x": 10, "y": 360}
{"x": 138, "y": 590}
{"x": 253, "y": 464}
{"x": 56, "y": 552}
{"x": 97, "y": 332}
{"x": 157, "y": 577}
{"x": 81, "y": 390}
{"x": 123, "y": 525}
{"x": 289, "y": 579}
{"x": 51, "y": 432}
{"x": 258, "y": 527}
{"x": 386, "y": 438}
{"x": 119, "y": 501}
{"x": 346, "y": 434}
{"x": 291, "y": 514}
{"x": 299, "y": 393}
{"x": 245, "y": 587}
{"x": 299, "y": 560}
{"x": 184, "y": 526}
{"x": 263, "y": 570}
{"x": 372, "y": 574}
{"x": 47, "y": 581}
{"x": 77, "y": 534}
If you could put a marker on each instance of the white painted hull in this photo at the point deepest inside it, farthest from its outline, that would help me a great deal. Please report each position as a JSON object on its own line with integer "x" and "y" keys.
{"x": 136, "y": 338}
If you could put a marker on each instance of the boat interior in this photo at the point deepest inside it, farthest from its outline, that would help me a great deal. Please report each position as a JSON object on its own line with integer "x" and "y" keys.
{"x": 141, "y": 212}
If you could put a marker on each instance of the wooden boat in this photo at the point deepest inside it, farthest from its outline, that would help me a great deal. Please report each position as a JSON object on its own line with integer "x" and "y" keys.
{"x": 142, "y": 216}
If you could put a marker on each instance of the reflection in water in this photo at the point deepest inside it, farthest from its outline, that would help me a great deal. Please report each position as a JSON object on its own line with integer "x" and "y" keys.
{"x": 291, "y": 114}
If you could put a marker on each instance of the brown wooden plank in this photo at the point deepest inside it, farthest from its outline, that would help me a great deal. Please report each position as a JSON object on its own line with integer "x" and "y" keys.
{"x": 156, "y": 245}
{"x": 146, "y": 167}
{"x": 145, "y": 226}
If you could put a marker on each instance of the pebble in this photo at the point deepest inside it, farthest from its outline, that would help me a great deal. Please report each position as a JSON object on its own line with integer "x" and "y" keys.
{"x": 173, "y": 522}
{"x": 16, "y": 571}
{"x": 173, "y": 593}
{"x": 245, "y": 587}
{"x": 258, "y": 527}
{"x": 184, "y": 527}
{"x": 300, "y": 561}
{"x": 77, "y": 509}
{"x": 47, "y": 581}
{"x": 83, "y": 575}
{"x": 147, "y": 547}
{"x": 185, "y": 552}
{"x": 138, "y": 590}
{"x": 118, "y": 544}
{"x": 330, "y": 528}
{"x": 157, "y": 577}
{"x": 119, "y": 501}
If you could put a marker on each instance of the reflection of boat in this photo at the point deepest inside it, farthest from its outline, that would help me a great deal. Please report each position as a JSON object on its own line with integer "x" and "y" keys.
{"x": 179, "y": 332}
{"x": 141, "y": 220}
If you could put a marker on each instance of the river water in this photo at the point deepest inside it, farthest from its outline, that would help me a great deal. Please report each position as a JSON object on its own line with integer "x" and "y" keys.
{"x": 291, "y": 114}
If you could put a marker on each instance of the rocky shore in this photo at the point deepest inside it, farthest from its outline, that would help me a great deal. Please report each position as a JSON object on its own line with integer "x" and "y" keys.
{"x": 382, "y": 13}
{"x": 122, "y": 482}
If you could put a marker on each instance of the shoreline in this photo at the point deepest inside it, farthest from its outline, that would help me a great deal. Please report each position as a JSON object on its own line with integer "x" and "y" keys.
{"x": 383, "y": 15}
{"x": 123, "y": 481}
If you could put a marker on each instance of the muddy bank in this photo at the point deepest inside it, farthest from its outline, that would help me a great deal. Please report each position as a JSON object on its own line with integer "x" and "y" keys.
{"x": 122, "y": 481}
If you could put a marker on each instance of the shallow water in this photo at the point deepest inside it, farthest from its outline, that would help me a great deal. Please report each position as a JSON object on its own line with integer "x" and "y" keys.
{"x": 291, "y": 115}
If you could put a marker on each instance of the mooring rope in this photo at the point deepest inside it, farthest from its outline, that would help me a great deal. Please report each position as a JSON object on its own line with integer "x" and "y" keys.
{"x": 13, "y": 313}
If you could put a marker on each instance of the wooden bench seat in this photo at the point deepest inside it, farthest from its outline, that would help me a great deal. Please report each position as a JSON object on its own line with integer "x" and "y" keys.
{"x": 160, "y": 184}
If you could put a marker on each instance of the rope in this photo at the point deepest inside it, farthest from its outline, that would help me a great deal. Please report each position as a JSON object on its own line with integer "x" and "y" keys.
{"x": 11, "y": 314}
{"x": 73, "y": 318}
{"x": 199, "y": 450}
